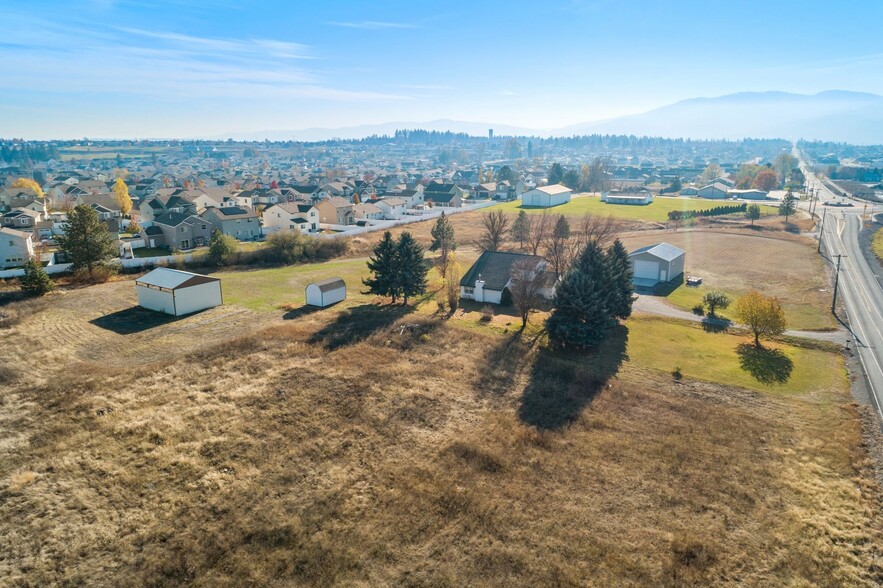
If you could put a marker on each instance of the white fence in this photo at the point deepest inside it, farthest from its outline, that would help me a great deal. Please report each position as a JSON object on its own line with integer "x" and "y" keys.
{"x": 382, "y": 225}
{"x": 60, "y": 268}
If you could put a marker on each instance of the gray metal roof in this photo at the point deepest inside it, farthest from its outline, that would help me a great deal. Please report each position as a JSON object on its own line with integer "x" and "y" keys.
{"x": 664, "y": 251}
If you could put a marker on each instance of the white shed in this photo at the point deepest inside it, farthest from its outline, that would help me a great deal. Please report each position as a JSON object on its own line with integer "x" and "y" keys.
{"x": 177, "y": 293}
{"x": 326, "y": 292}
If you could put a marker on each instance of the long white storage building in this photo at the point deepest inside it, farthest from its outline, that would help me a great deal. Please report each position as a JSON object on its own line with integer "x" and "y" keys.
{"x": 546, "y": 196}
{"x": 177, "y": 293}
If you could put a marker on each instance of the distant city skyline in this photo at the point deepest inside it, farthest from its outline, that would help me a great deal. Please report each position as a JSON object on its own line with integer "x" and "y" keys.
{"x": 175, "y": 68}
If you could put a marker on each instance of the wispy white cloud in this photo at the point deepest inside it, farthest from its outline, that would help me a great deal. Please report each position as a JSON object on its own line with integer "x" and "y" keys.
{"x": 373, "y": 25}
{"x": 165, "y": 64}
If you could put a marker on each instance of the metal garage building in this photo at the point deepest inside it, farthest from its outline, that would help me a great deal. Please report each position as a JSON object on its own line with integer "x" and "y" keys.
{"x": 326, "y": 292}
{"x": 177, "y": 293}
{"x": 546, "y": 196}
{"x": 658, "y": 263}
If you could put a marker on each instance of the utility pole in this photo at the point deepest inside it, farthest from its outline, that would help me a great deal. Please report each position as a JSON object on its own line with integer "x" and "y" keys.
{"x": 836, "y": 283}
{"x": 822, "y": 230}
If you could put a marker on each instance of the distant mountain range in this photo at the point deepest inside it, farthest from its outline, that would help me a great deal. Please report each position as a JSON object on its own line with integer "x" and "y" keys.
{"x": 836, "y": 115}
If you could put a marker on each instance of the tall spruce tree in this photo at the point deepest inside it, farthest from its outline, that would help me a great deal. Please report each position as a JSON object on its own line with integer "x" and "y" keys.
{"x": 619, "y": 270}
{"x": 412, "y": 267}
{"x": 384, "y": 267}
{"x": 86, "y": 239}
{"x": 582, "y": 312}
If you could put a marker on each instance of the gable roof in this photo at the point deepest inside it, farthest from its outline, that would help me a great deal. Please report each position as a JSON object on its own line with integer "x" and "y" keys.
{"x": 495, "y": 268}
{"x": 16, "y": 234}
{"x": 173, "y": 219}
{"x": 664, "y": 251}
{"x": 163, "y": 277}
{"x": 554, "y": 189}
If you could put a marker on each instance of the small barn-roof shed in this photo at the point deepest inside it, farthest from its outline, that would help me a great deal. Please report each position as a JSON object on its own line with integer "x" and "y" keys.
{"x": 326, "y": 292}
{"x": 657, "y": 263}
{"x": 177, "y": 292}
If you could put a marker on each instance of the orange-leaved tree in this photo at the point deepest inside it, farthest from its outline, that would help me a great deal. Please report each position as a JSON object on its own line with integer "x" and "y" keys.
{"x": 763, "y": 315}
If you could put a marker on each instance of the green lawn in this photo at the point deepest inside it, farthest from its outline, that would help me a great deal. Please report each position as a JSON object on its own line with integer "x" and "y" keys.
{"x": 657, "y": 211}
{"x": 715, "y": 357}
{"x": 878, "y": 244}
{"x": 267, "y": 290}
{"x": 801, "y": 317}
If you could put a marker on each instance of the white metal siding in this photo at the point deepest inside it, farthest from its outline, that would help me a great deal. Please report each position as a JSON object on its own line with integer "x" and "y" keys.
{"x": 646, "y": 270}
{"x": 199, "y": 297}
{"x": 315, "y": 297}
{"x": 155, "y": 300}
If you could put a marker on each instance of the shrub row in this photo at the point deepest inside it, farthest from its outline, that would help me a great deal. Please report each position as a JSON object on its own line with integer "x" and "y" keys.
{"x": 716, "y": 211}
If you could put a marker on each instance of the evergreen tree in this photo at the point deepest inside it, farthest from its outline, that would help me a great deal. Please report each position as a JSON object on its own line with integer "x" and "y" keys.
{"x": 582, "y": 308}
{"x": 384, "y": 267}
{"x": 221, "y": 247}
{"x": 556, "y": 173}
{"x": 86, "y": 239}
{"x": 521, "y": 229}
{"x": 619, "y": 269}
{"x": 443, "y": 241}
{"x": 36, "y": 281}
{"x": 562, "y": 228}
{"x": 412, "y": 267}
{"x": 788, "y": 206}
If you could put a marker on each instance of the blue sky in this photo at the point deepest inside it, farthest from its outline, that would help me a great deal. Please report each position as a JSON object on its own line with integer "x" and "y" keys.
{"x": 176, "y": 68}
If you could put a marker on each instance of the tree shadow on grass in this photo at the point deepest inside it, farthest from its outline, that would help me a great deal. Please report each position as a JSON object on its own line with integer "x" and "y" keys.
{"x": 563, "y": 383}
{"x": 134, "y": 320}
{"x": 768, "y": 366}
{"x": 502, "y": 364}
{"x": 301, "y": 311}
{"x": 358, "y": 323}
{"x": 715, "y": 324}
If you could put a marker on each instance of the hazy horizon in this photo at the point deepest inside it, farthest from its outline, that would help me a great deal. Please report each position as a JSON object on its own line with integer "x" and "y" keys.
{"x": 173, "y": 69}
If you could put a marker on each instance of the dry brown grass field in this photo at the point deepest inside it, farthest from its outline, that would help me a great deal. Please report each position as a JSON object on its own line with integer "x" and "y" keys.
{"x": 370, "y": 446}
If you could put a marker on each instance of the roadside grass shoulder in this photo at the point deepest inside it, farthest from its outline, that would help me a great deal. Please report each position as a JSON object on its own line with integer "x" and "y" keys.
{"x": 729, "y": 358}
{"x": 878, "y": 244}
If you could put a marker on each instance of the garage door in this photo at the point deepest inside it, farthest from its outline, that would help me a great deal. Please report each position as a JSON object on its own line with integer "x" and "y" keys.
{"x": 646, "y": 270}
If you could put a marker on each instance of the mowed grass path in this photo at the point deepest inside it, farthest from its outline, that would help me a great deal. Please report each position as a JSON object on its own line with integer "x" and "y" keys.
{"x": 657, "y": 211}
{"x": 665, "y": 344}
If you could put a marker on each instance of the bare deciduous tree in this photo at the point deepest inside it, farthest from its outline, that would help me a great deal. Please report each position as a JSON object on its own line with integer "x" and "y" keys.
{"x": 496, "y": 226}
{"x": 526, "y": 286}
{"x": 539, "y": 229}
{"x": 598, "y": 229}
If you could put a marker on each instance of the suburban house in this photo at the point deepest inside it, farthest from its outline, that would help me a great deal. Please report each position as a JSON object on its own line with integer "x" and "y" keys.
{"x": 239, "y": 223}
{"x": 412, "y": 198}
{"x": 21, "y": 219}
{"x": 110, "y": 218}
{"x": 177, "y": 230}
{"x": 393, "y": 208}
{"x": 614, "y": 197}
{"x": 717, "y": 191}
{"x": 546, "y": 196}
{"x": 367, "y": 211}
{"x": 302, "y": 216}
{"x": 486, "y": 191}
{"x": 491, "y": 275}
{"x": 655, "y": 264}
{"x": 15, "y": 247}
{"x": 689, "y": 191}
{"x": 336, "y": 211}
{"x": 159, "y": 205}
{"x": 444, "y": 195}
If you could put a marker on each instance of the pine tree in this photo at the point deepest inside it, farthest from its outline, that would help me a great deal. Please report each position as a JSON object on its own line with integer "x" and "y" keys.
{"x": 521, "y": 229}
{"x": 619, "y": 270}
{"x": 443, "y": 240}
{"x": 384, "y": 267}
{"x": 221, "y": 247}
{"x": 412, "y": 267}
{"x": 788, "y": 206}
{"x": 36, "y": 281}
{"x": 582, "y": 313}
{"x": 86, "y": 239}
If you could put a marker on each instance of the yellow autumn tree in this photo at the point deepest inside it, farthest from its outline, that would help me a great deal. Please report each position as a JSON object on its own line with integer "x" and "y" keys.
{"x": 29, "y": 184}
{"x": 121, "y": 194}
{"x": 763, "y": 315}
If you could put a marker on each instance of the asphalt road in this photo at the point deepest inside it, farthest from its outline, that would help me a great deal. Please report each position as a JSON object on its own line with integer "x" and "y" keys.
{"x": 858, "y": 289}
